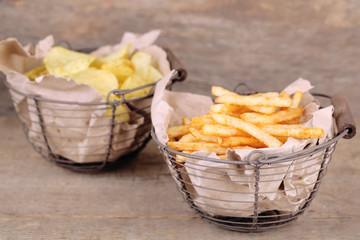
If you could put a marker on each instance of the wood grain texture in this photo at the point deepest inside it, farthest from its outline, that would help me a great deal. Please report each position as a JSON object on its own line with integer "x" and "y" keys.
{"x": 265, "y": 43}
{"x": 139, "y": 200}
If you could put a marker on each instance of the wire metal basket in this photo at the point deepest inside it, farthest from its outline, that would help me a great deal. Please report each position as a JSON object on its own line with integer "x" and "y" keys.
{"x": 247, "y": 210}
{"x": 98, "y": 146}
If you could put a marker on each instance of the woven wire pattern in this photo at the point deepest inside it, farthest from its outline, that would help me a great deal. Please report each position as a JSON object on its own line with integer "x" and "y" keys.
{"x": 85, "y": 136}
{"x": 247, "y": 210}
{"x": 207, "y": 184}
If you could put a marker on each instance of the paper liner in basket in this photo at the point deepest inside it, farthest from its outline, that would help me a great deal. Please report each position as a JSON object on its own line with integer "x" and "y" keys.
{"x": 84, "y": 138}
{"x": 228, "y": 189}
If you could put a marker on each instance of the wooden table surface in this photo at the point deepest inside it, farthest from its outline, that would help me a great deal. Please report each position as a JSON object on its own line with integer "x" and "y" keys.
{"x": 265, "y": 43}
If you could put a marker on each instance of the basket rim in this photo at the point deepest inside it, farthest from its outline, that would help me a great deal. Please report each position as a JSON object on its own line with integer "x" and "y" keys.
{"x": 104, "y": 103}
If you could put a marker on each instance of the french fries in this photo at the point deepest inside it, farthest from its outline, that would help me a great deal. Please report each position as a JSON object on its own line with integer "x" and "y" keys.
{"x": 254, "y": 100}
{"x": 277, "y": 117}
{"x": 251, "y": 129}
{"x": 222, "y": 131}
{"x": 295, "y": 132}
{"x": 242, "y": 122}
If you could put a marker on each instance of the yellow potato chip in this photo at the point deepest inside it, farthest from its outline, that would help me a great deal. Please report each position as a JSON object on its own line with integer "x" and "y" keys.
{"x": 63, "y": 62}
{"x": 101, "y": 80}
{"x": 120, "y": 54}
{"x": 36, "y": 72}
{"x": 135, "y": 80}
{"x": 142, "y": 62}
{"x": 121, "y": 111}
{"x": 121, "y": 68}
{"x": 97, "y": 63}
{"x": 153, "y": 75}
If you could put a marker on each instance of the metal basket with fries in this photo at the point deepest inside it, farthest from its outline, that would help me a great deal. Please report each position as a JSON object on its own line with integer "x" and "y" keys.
{"x": 214, "y": 188}
{"x": 62, "y": 131}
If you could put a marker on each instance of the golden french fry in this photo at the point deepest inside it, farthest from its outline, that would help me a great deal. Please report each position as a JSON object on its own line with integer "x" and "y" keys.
{"x": 220, "y": 91}
{"x": 180, "y": 158}
{"x": 294, "y": 132}
{"x": 231, "y": 109}
{"x": 251, "y": 129}
{"x": 243, "y": 141}
{"x": 268, "y": 94}
{"x": 197, "y": 146}
{"x": 222, "y": 156}
{"x": 188, "y": 138}
{"x": 242, "y": 147}
{"x": 292, "y": 121}
{"x": 222, "y": 131}
{"x": 261, "y": 109}
{"x": 281, "y": 138}
{"x": 186, "y": 120}
{"x": 254, "y": 100}
{"x": 201, "y": 137}
{"x": 177, "y": 131}
{"x": 199, "y": 121}
{"x": 296, "y": 125}
{"x": 297, "y": 99}
{"x": 284, "y": 94}
{"x": 277, "y": 117}
{"x": 238, "y": 109}
{"x": 218, "y": 108}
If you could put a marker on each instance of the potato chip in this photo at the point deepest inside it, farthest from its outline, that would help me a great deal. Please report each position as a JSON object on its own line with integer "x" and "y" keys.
{"x": 143, "y": 67}
{"x": 121, "y": 111}
{"x": 121, "y": 68}
{"x": 101, "y": 80}
{"x": 134, "y": 81}
{"x": 63, "y": 62}
{"x": 36, "y": 72}
{"x": 122, "y": 53}
{"x": 142, "y": 62}
{"x": 97, "y": 63}
{"x": 153, "y": 75}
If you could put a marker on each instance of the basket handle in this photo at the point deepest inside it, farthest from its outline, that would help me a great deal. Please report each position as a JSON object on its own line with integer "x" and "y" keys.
{"x": 177, "y": 65}
{"x": 343, "y": 116}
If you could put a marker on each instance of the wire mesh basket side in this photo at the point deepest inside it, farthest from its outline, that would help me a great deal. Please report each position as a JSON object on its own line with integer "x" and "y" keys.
{"x": 209, "y": 189}
{"x": 84, "y": 136}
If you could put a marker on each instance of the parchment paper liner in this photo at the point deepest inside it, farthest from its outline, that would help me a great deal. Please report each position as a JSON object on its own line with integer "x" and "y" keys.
{"x": 88, "y": 138}
{"x": 283, "y": 186}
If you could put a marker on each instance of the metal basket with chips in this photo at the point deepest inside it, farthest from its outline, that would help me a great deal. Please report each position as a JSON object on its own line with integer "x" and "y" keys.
{"x": 81, "y": 129}
{"x": 261, "y": 190}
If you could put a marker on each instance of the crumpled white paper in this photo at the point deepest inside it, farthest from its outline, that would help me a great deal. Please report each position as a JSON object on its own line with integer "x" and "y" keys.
{"x": 226, "y": 189}
{"x": 76, "y": 132}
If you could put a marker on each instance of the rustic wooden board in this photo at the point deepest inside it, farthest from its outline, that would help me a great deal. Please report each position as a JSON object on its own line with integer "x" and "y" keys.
{"x": 139, "y": 200}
